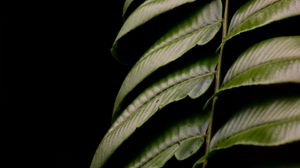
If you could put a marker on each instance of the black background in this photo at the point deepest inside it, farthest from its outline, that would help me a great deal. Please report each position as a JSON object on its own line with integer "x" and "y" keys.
{"x": 71, "y": 80}
{"x": 82, "y": 78}
{"x": 4, "y": 98}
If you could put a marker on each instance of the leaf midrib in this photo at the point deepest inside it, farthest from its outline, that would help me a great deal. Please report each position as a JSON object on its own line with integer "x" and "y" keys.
{"x": 177, "y": 39}
{"x": 160, "y": 92}
{"x": 178, "y": 142}
{"x": 262, "y": 64}
{"x": 257, "y": 126}
{"x": 256, "y": 13}
{"x": 140, "y": 8}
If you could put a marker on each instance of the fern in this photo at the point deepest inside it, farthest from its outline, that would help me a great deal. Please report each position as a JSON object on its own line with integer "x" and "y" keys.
{"x": 272, "y": 121}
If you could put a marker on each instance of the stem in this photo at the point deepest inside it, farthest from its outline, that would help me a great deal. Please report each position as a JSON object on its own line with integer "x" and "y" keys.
{"x": 217, "y": 83}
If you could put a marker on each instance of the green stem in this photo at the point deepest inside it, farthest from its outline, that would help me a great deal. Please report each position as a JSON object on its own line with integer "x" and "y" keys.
{"x": 217, "y": 83}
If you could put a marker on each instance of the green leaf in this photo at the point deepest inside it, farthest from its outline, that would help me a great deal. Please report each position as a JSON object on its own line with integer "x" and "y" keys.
{"x": 200, "y": 161}
{"x": 186, "y": 135}
{"x": 126, "y": 5}
{"x": 257, "y": 13}
{"x": 189, "y": 147}
{"x": 268, "y": 123}
{"x": 160, "y": 160}
{"x": 192, "y": 81}
{"x": 199, "y": 29}
{"x": 146, "y": 11}
{"x": 272, "y": 61}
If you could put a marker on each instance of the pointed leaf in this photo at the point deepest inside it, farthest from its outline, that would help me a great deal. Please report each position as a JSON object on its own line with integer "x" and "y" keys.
{"x": 199, "y": 29}
{"x": 272, "y": 61}
{"x": 266, "y": 123}
{"x": 126, "y": 5}
{"x": 200, "y": 161}
{"x": 257, "y": 13}
{"x": 189, "y": 147}
{"x": 192, "y": 81}
{"x": 187, "y": 135}
{"x": 173, "y": 88}
{"x": 146, "y": 11}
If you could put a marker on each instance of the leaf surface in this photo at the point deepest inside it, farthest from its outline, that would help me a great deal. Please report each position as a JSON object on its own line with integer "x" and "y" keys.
{"x": 268, "y": 123}
{"x": 272, "y": 61}
{"x": 146, "y": 11}
{"x": 186, "y": 135}
{"x": 189, "y": 147}
{"x": 257, "y": 13}
{"x": 162, "y": 158}
{"x": 199, "y": 29}
{"x": 126, "y": 5}
{"x": 192, "y": 81}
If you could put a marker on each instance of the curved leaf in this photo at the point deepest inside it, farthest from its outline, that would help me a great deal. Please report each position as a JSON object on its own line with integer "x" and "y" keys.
{"x": 199, "y": 29}
{"x": 126, "y": 5}
{"x": 192, "y": 81}
{"x": 173, "y": 88}
{"x": 160, "y": 160}
{"x": 257, "y": 13}
{"x": 189, "y": 147}
{"x": 199, "y": 162}
{"x": 186, "y": 135}
{"x": 146, "y": 11}
{"x": 275, "y": 60}
{"x": 268, "y": 123}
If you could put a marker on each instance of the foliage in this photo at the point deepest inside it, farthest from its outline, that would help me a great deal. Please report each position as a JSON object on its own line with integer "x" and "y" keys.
{"x": 272, "y": 119}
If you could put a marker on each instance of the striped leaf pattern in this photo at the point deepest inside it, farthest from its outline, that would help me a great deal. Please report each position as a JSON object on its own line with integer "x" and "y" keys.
{"x": 272, "y": 121}
{"x": 187, "y": 136}
{"x": 275, "y": 60}
{"x": 164, "y": 92}
{"x": 192, "y": 81}
{"x": 268, "y": 123}
{"x": 189, "y": 147}
{"x": 145, "y": 12}
{"x": 161, "y": 159}
{"x": 199, "y": 29}
{"x": 257, "y": 13}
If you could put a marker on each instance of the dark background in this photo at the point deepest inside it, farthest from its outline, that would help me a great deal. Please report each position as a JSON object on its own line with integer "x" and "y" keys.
{"x": 83, "y": 79}
{"x": 4, "y": 91}
{"x": 86, "y": 76}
